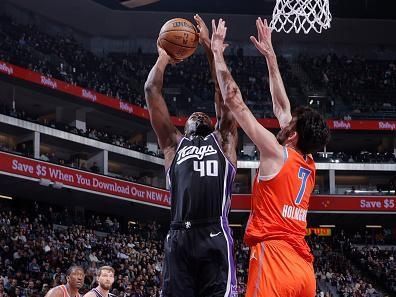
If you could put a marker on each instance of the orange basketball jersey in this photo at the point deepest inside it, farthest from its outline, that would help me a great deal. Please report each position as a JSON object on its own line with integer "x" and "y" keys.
{"x": 280, "y": 204}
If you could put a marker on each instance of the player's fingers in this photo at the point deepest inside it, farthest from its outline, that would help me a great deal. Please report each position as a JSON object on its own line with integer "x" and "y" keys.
{"x": 258, "y": 29}
{"x": 225, "y": 32}
{"x": 261, "y": 28}
{"x": 254, "y": 41}
{"x": 198, "y": 18}
{"x": 220, "y": 24}
{"x": 214, "y": 29}
{"x": 267, "y": 29}
{"x": 262, "y": 22}
{"x": 222, "y": 29}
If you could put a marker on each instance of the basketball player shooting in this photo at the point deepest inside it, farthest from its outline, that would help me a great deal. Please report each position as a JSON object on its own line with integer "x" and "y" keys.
{"x": 200, "y": 166}
{"x": 280, "y": 259}
{"x": 75, "y": 280}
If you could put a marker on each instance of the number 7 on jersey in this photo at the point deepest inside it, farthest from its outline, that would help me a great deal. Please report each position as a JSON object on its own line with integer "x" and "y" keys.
{"x": 303, "y": 174}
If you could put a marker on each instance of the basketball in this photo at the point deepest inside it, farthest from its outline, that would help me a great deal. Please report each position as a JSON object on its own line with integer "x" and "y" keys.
{"x": 179, "y": 38}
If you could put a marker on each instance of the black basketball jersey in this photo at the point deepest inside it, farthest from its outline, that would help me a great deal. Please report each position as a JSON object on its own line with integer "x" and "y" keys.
{"x": 200, "y": 180}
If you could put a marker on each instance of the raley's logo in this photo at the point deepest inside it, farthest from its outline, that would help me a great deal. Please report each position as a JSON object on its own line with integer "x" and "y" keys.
{"x": 88, "y": 94}
{"x": 342, "y": 125}
{"x": 6, "y": 69}
{"x": 48, "y": 82}
{"x": 386, "y": 125}
{"x": 199, "y": 153}
{"x": 126, "y": 107}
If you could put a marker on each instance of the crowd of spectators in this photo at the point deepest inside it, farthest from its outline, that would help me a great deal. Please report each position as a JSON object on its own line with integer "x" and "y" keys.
{"x": 38, "y": 242}
{"x": 336, "y": 274}
{"x": 356, "y": 157}
{"x": 38, "y": 245}
{"x": 63, "y": 58}
{"x": 373, "y": 251}
{"x": 378, "y": 262}
{"x": 123, "y": 75}
{"x": 366, "y": 87}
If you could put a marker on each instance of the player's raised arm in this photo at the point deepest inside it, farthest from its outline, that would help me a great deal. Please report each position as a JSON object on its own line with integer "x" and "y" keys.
{"x": 226, "y": 123}
{"x": 167, "y": 134}
{"x": 280, "y": 101}
{"x": 264, "y": 139}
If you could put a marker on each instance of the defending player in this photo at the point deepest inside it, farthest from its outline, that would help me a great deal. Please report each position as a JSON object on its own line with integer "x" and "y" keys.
{"x": 280, "y": 261}
{"x": 105, "y": 279}
{"x": 200, "y": 167}
{"x": 75, "y": 280}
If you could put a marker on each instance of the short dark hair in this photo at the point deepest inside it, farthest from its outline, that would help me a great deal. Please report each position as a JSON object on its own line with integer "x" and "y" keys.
{"x": 72, "y": 268}
{"x": 108, "y": 268}
{"x": 313, "y": 131}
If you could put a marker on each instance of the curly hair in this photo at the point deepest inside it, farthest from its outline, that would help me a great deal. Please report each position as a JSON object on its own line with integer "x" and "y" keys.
{"x": 313, "y": 131}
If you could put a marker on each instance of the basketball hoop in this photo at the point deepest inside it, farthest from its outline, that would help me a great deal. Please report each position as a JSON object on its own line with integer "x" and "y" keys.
{"x": 301, "y": 14}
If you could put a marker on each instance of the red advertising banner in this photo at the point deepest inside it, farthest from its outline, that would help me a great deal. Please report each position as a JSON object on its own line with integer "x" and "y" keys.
{"x": 78, "y": 179}
{"x": 362, "y": 125}
{"x": 123, "y": 106}
{"x": 83, "y": 180}
{"x": 335, "y": 203}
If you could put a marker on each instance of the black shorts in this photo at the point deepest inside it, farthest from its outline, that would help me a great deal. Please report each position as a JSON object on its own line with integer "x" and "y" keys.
{"x": 199, "y": 261}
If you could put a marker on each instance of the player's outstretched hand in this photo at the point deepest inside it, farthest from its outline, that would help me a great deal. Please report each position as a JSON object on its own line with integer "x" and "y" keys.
{"x": 163, "y": 55}
{"x": 204, "y": 38}
{"x": 218, "y": 35}
{"x": 264, "y": 42}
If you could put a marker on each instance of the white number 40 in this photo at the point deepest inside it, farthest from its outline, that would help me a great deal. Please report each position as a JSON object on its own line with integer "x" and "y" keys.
{"x": 207, "y": 168}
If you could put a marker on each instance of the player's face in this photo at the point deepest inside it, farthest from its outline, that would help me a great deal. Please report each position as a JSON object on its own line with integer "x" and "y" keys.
{"x": 198, "y": 124}
{"x": 106, "y": 279}
{"x": 76, "y": 278}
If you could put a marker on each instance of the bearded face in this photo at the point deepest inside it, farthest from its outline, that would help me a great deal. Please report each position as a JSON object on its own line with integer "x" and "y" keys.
{"x": 106, "y": 279}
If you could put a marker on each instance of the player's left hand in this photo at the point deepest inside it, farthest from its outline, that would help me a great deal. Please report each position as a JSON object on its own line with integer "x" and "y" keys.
{"x": 163, "y": 55}
{"x": 218, "y": 35}
{"x": 264, "y": 42}
{"x": 203, "y": 31}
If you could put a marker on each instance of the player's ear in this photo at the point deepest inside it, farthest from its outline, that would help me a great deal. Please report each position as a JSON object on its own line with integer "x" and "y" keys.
{"x": 293, "y": 138}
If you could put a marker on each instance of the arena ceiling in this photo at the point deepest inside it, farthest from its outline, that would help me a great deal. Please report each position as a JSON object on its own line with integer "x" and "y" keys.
{"x": 377, "y": 9}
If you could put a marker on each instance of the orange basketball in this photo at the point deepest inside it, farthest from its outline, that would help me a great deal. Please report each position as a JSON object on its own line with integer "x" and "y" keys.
{"x": 179, "y": 38}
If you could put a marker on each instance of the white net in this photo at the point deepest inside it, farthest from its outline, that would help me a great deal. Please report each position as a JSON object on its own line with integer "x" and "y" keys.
{"x": 300, "y": 15}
